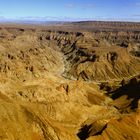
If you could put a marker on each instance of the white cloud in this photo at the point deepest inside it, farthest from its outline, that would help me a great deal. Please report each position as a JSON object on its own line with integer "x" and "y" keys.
{"x": 83, "y": 6}
{"x": 69, "y": 5}
{"x": 87, "y": 6}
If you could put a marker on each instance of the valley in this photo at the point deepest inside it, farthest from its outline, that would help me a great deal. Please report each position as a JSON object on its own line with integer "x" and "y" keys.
{"x": 74, "y": 81}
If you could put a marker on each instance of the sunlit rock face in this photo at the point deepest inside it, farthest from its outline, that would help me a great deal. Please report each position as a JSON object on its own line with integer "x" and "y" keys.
{"x": 67, "y": 83}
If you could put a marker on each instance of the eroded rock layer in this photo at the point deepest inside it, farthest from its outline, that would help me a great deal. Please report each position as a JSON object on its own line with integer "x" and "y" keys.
{"x": 69, "y": 85}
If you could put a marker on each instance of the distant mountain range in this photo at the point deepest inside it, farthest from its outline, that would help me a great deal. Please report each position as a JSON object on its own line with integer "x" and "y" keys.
{"x": 61, "y": 21}
{"x": 31, "y": 22}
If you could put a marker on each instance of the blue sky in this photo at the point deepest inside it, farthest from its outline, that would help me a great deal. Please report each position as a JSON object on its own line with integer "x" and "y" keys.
{"x": 71, "y": 9}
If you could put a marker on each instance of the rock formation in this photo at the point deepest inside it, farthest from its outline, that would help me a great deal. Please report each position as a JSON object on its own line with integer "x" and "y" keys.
{"x": 69, "y": 84}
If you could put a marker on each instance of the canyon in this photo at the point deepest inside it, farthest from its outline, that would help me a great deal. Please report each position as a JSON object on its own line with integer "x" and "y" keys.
{"x": 73, "y": 81}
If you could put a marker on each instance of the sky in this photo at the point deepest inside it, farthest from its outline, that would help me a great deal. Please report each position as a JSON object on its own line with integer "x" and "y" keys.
{"x": 70, "y": 10}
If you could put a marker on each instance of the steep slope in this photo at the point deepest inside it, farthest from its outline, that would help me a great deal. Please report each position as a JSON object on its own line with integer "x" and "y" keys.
{"x": 90, "y": 56}
{"x": 96, "y": 58}
{"x": 66, "y": 85}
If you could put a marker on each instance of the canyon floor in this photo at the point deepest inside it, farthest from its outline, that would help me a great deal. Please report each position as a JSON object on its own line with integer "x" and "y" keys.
{"x": 74, "y": 81}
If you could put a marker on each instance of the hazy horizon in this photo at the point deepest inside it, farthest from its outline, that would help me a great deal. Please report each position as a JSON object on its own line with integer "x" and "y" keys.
{"x": 70, "y": 10}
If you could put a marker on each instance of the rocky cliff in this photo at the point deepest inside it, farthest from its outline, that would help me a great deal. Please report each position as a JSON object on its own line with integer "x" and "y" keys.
{"x": 69, "y": 85}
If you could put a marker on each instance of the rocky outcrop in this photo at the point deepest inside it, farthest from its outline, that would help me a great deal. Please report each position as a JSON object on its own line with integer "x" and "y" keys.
{"x": 97, "y": 56}
{"x": 69, "y": 85}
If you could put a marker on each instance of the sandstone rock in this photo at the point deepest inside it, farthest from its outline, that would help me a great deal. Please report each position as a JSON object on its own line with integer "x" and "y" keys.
{"x": 70, "y": 83}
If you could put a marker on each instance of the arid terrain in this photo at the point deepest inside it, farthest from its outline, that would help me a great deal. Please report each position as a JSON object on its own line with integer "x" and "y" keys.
{"x": 74, "y": 81}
